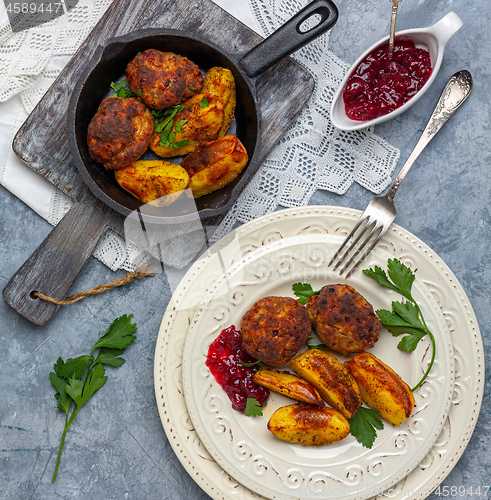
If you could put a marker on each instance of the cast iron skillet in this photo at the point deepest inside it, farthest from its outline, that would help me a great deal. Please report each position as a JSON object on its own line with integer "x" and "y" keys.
{"x": 108, "y": 65}
{"x": 56, "y": 264}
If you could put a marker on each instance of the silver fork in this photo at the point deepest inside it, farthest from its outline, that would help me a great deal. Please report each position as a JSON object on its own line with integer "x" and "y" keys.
{"x": 380, "y": 212}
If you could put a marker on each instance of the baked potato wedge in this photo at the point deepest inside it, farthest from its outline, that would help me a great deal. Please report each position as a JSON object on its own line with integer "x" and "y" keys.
{"x": 220, "y": 82}
{"x": 156, "y": 182}
{"x": 330, "y": 377}
{"x": 288, "y": 384}
{"x": 199, "y": 122}
{"x": 215, "y": 165}
{"x": 381, "y": 387}
{"x": 308, "y": 425}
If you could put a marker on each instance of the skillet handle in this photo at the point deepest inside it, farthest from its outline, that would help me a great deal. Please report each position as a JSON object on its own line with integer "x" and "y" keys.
{"x": 288, "y": 38}
{"x": 56, "y": 264}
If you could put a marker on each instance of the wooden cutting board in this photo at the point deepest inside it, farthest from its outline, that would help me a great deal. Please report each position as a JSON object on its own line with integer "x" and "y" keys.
{"x": 41, "y": 142}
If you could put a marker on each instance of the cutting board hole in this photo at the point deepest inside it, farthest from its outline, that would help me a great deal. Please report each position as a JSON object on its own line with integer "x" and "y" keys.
{"x": 33, "y": 295}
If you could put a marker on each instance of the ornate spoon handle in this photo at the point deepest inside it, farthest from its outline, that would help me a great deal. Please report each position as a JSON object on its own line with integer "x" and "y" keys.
{"x": 454, "y": 94}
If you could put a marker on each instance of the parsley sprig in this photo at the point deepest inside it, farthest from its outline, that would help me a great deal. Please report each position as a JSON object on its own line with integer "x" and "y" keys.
{"x": 254, "y": 408}
{"x": 121, "y": 89}
{"x": 363, "y": 425}
{"x": 68, "y": 377}
{"x": 163, "y": 122}
{"x": 303, "y": 292}
{"x": 405, "y": 317}
{"x": 248, "y": 365}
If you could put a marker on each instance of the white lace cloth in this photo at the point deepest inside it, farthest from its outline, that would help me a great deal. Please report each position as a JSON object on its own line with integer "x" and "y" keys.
{"x": 312, "y": 154}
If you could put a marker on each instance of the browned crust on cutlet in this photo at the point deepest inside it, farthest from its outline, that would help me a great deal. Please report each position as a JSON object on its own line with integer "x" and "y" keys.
{"x": 343, "y": 319}
{"x": 120, "y": 132}
{"x": 163, "y": 79}
{"x": 274, "y": 329}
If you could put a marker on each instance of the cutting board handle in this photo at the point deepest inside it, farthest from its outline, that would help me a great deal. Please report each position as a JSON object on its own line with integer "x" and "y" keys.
{"x": 56, "y": 264}
{"x": 290, "y": 37}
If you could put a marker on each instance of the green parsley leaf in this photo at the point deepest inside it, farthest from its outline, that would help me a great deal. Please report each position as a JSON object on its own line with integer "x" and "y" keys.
{"x": 204, "y": 103}
{"x": 317, "y": 346}
{"x": 121, "y": 89}
{"x": 68, "y": 377}
{"x": 408, "y": 312}
{"x": 192, "y": 87}
{"x": 157, "y": 113}
{"x": 94, "y": 381}
{"x": 163, "y": 123}
{"x": 390, "y": 318}
{"x": 410, "y": 342}
{"x": 139, "y": 92}
{"x": 170, "y": 84}
{"x": 401, "y": 276}
{"x": 75, "y": 389}
{"x": 116, "y": 86}
{"x": 401, "y": 330}
{"x": 155, "y": 95}
{"x": 179, "y": 124}
{"x": 253, "y": 408}
{"x": 73, "y": 367}
{"x": 363, "y": 425}
{"x": 248, "y": 365}
{"x": 380, "y": 276}
{"x": 179, "y": 144}
{"x": 109, "y": 356}
{"x": 119, "y": 335}
{"x": 64, "y": 400}
{"x": 303, "y": 292}
{"x": 164, "y": 136}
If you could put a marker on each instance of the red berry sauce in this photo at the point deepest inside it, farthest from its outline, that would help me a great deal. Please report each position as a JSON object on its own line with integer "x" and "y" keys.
{"x": 380, "y": 85}
{"x": 223, "y": 358}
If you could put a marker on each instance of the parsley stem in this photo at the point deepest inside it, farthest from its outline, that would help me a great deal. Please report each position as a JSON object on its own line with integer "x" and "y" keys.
{"x": 68, "y": 423}
{"x": 433, "y": 346}
{"x": 431, "y": 361}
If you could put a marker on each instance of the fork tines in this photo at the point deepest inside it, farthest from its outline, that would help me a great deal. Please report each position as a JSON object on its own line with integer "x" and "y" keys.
{"x": 372, "y": 231}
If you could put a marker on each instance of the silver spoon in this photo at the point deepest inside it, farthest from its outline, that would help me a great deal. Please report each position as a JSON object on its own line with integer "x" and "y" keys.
{"x": 395, "y": 5}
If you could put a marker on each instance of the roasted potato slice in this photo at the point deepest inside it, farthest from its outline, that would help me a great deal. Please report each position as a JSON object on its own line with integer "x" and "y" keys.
{"x": 289, "y": 385}
{"x": 156, "y": 182}
{"x": 381, "y": 387}
{"x": 308, "y": 425}
{"x": 329, "y": 376}
{"x": 199, "y": 122}
{"x": 221, "y": 82}
{"x": 215, "y": 165}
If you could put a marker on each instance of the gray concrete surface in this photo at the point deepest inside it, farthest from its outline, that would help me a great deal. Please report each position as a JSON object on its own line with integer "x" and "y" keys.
{"x": 117, "y": 448}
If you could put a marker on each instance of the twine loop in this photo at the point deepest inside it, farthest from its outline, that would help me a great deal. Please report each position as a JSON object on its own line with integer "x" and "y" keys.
{"x": 145, "y": 269}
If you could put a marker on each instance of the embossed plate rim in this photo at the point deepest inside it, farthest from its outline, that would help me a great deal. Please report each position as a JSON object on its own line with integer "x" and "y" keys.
{"x": 168, "y": 356}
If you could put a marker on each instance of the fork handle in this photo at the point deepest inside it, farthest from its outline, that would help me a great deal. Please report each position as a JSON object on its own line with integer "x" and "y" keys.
{"x": 454, "y": 94}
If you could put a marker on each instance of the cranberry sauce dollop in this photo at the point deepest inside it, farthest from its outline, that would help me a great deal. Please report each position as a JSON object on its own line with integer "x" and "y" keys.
{"x": 380, "y": 85}
{"x": 223, "y": 358}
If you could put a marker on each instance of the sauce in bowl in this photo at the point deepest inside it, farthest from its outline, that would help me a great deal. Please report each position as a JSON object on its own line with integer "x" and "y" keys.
{"x": 379, "y": 85}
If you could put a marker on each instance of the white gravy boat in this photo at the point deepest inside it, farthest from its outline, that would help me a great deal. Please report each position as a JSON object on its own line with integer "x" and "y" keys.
{"x": 432, "y": 39}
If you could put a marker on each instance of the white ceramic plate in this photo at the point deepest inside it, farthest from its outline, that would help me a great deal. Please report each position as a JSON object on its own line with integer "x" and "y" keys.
{"x": 246, "y": 449}
{"x": 444, "y": 287}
